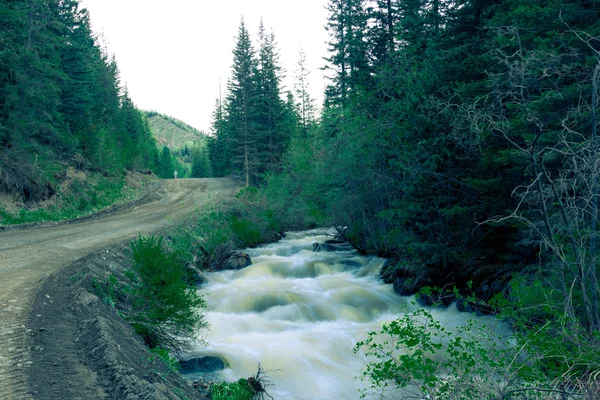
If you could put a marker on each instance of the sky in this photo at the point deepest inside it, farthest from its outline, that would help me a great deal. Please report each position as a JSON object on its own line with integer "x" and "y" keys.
{"x": 173, "y": 54}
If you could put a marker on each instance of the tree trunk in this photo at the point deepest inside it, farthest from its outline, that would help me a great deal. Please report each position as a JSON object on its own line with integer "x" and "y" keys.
{"x": 390, "y": 23}
{"x": 593, "y": 278}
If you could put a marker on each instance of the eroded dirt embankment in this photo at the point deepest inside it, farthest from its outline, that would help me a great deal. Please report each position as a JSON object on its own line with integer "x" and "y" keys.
{"x": 28, "y": 257}
{"x": 82, "y": 349}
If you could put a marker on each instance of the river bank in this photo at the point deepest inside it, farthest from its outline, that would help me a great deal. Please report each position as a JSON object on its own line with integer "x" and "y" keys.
{"x": 82, "y": 349}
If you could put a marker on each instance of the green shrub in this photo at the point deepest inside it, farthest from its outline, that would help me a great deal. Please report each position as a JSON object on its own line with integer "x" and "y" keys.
{"x": 567, "y": 349}
{"x": 245, "y": 231}
{"x": 107, "y": 289}
{"x": 416, "y": 356}
{"x": 78, "y": 199}
{"x": 165, "y": 310}
{"x": 170, "y": 362}
{"x": 239, "y": 390}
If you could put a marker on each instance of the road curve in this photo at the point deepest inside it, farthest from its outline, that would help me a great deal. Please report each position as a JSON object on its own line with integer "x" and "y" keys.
{"x": 29, "y": 256}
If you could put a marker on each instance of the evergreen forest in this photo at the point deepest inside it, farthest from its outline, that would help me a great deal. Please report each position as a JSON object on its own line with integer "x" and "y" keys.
{"x": 62, "y": 103}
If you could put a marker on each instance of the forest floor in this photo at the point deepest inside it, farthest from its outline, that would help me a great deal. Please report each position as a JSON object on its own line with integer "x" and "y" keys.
{"x": 50, "y": 336}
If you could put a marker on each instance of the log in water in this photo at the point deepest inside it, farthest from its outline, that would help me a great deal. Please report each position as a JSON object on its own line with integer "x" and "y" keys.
{"x": 300, "y": 313}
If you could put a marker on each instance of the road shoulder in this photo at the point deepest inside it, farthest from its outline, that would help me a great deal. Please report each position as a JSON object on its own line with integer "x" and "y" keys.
{"x": 83, "y": 349}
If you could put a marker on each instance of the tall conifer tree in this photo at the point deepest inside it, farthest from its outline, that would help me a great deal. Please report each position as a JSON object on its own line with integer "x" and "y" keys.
{"x": 241, "y": 107}
{"x": 305, "y": 104}
{"x": 272, "y": 133}
{"x": 348, "y": 50}
{"x": 218, "y": 142}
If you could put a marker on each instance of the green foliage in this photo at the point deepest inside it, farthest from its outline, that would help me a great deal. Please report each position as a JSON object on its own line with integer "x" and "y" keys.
{"x": 201, "y": 167}
{"x": 239, "y": 390}
{"x": 165, "y": 309}
{"x": 75, "y": 198}
{"x": 252, "y": 126}
{"x": 548, "y": 354}
{"x": 170, "y": 362}
{"x": 566, "y": 348}
{"x": 218, "y": 230}
{"x": 107, "y": 289}
{"x": 61, "y": 103}
{"x": 245, "y": 231}
{"x": 416, "y": 356}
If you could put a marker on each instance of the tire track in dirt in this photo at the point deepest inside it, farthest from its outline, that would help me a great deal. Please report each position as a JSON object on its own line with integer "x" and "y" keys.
{"x": 29, "y": 256}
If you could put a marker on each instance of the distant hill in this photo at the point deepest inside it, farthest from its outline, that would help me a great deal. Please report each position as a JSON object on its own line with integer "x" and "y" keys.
{"x": 173, "y": 133}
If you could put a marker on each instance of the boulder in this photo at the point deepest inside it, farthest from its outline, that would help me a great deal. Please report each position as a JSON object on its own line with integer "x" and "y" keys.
{"x": 82, "y": 297}
{"x": 204, "y": 365}
{"x": 237, "y": 260}
{"x": 463, "y": 305}
{"x": 332, "y": 245}
{"x": 277, "y": 236}
{"x": 400, "y": 287}
{"x": 193, "y": 275}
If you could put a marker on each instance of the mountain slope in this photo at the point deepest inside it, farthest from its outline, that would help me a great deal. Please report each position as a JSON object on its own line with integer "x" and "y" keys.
{"x": 173, "y": 133}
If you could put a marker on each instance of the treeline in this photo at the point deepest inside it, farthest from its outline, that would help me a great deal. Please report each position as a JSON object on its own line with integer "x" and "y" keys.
{"x": 61, "y": 101}
{"x": 185, "y": 145}
{"x": 178, "y": 123}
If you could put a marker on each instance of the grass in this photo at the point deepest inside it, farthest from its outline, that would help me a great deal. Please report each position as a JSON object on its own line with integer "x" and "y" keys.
{"x": 239, "y": 390}
{"x": 75, "y": 198}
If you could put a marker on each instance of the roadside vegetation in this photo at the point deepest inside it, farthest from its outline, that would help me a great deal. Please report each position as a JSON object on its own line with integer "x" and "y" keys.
{"x": 159, "y": 294}
{"x": 78, "y": 196}
{"x": 156, "y": 296}
{"x": 417, "y": 357}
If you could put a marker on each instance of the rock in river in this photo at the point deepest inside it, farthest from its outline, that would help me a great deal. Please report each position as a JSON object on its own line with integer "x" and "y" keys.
{"x": 206, "y": 364}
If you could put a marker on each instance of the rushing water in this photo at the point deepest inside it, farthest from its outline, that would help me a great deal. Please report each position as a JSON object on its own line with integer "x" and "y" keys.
{"x": 300, "y": 313}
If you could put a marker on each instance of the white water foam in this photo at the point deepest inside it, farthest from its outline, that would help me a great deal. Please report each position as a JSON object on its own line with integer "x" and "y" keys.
{"x": 299, "y": 314}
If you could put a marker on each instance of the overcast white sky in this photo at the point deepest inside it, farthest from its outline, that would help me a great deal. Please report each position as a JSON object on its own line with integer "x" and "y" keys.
{"x": 171, "y": 54}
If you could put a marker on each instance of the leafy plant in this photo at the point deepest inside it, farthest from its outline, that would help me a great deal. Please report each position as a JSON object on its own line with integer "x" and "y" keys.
{"x": 418, "y": 357}
{"x": 107, "y": 289}
{"x": 170, "y": 362}
{"x": 239, "y": 390}
{"x": 245, "y": 231}
{"x": 165, "y": 310}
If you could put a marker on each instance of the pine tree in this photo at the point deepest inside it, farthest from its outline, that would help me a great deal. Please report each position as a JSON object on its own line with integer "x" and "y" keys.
{"x": 305, "y": 104}
{"x": 218, "y": 142}
{"x": 348, "y": 20}
{"x": 200, "y": 163}
{"x": 166, "y": 166}
{"x": 241, "y": 108}
{"x": 272, "y": 136}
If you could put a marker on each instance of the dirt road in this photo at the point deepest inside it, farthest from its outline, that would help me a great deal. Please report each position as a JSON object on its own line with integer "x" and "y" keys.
{"x": 29, "y": 256}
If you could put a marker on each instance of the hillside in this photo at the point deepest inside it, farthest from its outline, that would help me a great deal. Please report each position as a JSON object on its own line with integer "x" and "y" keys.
{"x": 173, "y": 133}
{"x": 70, "y": 135}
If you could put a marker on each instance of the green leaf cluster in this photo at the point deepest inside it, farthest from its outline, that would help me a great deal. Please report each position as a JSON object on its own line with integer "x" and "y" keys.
{"x": 165, "y": 310}
{"x": 238, "y": 390}
{"x": 416, "y": 355}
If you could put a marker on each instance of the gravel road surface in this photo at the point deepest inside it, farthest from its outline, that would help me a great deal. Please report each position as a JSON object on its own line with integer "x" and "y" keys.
{"x": 29, "y": 256}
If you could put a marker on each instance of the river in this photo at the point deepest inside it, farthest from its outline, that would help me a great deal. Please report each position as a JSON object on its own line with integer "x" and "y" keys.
{"x": 300, "y": 313}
